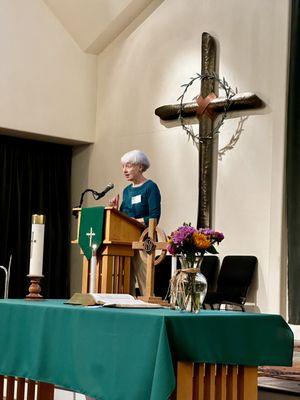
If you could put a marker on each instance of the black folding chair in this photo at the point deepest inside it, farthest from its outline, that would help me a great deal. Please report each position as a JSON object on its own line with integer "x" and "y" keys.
{"x": 210, "y": 269}
{"x": 234, "y": 280}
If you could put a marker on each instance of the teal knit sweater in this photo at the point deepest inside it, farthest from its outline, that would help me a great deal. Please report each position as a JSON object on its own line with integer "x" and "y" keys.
{"x": 142, "y": 201}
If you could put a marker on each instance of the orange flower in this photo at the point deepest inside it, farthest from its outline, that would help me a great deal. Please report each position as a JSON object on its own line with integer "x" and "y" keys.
{"x": 201, "y": 241}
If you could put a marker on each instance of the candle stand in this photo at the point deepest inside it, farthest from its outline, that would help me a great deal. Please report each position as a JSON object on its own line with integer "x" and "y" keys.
{"x": 34, "y": 288}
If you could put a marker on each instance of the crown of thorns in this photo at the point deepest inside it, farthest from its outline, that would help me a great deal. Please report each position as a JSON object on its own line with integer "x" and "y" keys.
{"x": 202, "y": 107}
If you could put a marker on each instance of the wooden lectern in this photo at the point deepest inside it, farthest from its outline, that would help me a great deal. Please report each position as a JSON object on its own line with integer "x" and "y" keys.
{"x": 114, "y": 256}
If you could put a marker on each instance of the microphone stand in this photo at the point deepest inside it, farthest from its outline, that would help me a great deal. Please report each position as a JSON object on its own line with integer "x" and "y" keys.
{"x": 95, "y": 194}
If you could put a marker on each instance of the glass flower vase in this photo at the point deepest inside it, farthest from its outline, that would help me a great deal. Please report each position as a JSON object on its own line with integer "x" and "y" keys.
{"x": 189, "y": 286}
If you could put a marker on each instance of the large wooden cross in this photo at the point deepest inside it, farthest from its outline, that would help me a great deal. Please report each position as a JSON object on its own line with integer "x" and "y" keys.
{"x": 213, "y": 108}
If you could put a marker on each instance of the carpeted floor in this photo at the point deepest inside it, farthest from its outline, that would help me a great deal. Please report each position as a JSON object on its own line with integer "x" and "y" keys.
{"x": 280, "y": 382}
{"x": 289, "y": 373}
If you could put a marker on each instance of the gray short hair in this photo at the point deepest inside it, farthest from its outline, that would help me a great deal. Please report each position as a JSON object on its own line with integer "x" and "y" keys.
{"x": 136, "y": 157}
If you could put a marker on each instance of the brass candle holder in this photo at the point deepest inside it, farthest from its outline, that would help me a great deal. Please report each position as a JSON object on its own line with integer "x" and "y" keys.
{"x": 34, "y": 288}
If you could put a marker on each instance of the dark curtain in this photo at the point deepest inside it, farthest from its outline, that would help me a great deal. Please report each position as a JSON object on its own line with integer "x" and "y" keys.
{"x": 35, "y": 179}
{"x": 293, "y": 168}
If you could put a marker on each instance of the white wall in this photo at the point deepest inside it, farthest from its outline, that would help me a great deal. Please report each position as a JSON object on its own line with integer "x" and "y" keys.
{"x": 47, "y": 84}
{"x": 86, "y": 20}
{"x": 144, "y": 68}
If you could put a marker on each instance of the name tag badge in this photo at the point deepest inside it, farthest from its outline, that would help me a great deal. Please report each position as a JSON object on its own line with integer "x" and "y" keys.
{"x": 136, "y": 199}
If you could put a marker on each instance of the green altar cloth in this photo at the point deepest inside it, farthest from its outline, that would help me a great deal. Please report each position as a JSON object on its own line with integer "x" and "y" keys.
{"x": 127, "y": 354}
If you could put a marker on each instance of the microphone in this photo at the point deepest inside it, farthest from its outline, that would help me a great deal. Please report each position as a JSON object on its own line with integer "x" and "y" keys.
{"x": 95, "y": 194}
{"x": 103, "y": 193}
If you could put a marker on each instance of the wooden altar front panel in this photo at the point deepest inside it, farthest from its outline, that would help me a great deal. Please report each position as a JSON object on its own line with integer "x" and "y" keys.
{"x": 200, "y": 381}
{"x": 12, "y": 388}
{"x": 194, "y": 382}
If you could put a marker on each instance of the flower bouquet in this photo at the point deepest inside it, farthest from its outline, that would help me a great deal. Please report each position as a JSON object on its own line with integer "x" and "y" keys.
{"x": 192, "y": 243}
{"x": 188, "y": 286}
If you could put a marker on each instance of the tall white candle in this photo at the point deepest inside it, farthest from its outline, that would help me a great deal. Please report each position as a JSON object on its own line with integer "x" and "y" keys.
{"x": 93, "y": 266}
{"x": 37, "y": 245}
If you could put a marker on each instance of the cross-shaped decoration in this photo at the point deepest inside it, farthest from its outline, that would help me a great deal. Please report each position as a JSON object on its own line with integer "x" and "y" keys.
{"x": 207, "y": 109}
{"x": 147, "y": 247}
{"x": 31, "y": 244}
{"x": 90, "y": 234}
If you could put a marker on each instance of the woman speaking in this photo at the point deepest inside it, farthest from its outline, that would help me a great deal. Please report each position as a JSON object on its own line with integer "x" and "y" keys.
{"x": 141, "y": 201}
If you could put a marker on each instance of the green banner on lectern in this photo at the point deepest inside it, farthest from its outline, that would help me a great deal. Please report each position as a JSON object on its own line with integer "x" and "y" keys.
{"x": 91, "y": 229}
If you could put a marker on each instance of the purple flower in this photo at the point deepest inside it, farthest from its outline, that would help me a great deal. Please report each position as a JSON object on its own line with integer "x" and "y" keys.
{"x": 206, "y": 231}
{"x": 215, "y": 235}
{"x": 182, "y": 241}
{"x": 182, "y": 233}
{"x": 171, "y": 249}
{"x": 219, "y": 236}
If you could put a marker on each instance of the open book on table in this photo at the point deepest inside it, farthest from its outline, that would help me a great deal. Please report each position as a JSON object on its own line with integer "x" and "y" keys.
{"x": 109, "y": 300}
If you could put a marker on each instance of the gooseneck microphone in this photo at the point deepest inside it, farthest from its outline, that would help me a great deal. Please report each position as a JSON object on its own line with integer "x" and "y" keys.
{"x": 96, "y": 195}
{"x": 103, "y": 193}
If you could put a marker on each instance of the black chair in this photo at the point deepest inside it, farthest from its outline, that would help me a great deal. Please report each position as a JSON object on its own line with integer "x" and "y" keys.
{"x": 210, "y": 269}
{"x": 233, "y": 282}
{"x": 162, "y": 277}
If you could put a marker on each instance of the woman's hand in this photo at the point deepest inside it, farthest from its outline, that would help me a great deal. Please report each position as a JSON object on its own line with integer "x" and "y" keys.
{"x": 140, "y": 220}
{"x": 114, "y": 202}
